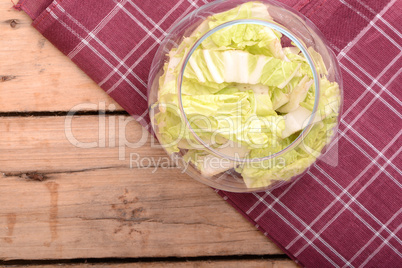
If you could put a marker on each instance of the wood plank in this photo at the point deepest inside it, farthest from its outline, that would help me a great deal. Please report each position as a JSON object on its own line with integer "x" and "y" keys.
{"x": 90, "y": 204}
{"x": 215, "y": 264}
{"x": 86, "y": 203}
{"x": 41, "y": 144}
{"x": 34, "y": 75}
{"x": 120, "y": 212}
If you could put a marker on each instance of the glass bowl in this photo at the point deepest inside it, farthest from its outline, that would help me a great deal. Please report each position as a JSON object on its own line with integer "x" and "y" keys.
{"x": 245, "y": 96}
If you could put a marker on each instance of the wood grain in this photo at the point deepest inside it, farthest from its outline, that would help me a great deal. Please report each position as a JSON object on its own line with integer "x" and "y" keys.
{"x": 40, "y": 144}
{"x": 69, "y": 202}
{"x": 120, "y": 212}
{"x": 60, "y": 200}
{"x": 34, "y": 75}
{"x": 215, "y": 264}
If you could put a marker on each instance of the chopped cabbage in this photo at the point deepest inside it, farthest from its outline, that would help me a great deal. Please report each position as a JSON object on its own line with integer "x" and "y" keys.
{"x": 245, "y": 96}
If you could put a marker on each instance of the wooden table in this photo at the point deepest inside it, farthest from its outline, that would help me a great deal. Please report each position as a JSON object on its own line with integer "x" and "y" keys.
{"x": 60, "y": 202}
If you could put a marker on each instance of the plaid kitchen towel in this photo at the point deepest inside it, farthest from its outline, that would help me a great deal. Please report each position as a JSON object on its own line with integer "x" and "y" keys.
{"x": 344, "y": 216}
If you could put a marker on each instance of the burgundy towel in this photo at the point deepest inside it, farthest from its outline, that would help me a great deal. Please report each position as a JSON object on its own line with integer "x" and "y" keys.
{"x": 348, "y": 215}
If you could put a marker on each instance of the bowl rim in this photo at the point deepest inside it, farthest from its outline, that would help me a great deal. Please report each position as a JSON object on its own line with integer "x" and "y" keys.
{"x": 275, "y": 26}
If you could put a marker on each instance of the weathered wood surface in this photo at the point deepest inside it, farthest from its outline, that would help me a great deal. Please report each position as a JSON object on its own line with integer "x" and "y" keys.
{"x": 120, "y": 213}
{"x": 60, "y": 201}
{"x": 34, "y": 75}
{"x": 189, "y": 218}
{"x": 215, "y": 264}
{"x": 91, "y": 204}
{"x": 41, "y": 144}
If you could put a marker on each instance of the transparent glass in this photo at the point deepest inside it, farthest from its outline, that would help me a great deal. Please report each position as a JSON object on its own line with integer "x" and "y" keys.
{"x": 295, "y": 28}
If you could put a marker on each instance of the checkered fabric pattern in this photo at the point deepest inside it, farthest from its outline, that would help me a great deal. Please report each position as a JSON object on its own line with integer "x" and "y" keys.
{"x": 344, "y": 216}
